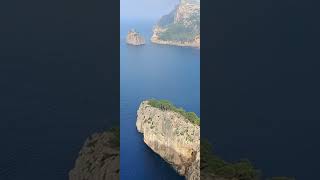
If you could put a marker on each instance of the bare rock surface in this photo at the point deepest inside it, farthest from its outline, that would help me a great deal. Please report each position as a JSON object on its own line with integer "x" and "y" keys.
{"x": 98, "y": 159}
{"x": 173, "y": 137}
{"x": 134, "y": 38}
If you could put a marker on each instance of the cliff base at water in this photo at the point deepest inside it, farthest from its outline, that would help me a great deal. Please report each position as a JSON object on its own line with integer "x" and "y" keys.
{"x": 171, "y": 135}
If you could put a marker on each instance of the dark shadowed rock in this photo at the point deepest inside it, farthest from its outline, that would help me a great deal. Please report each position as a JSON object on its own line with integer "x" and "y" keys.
{"x": 99, "y": 158}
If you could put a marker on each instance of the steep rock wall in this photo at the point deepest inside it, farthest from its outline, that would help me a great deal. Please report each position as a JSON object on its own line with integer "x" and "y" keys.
{"x": 173, "y": 137}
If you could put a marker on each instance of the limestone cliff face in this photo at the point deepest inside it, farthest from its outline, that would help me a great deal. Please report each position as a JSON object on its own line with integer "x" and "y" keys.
{"x": 134, "y": 38}
{"x": 98, "y": 159}
{"x": 173, "y": 137}
{"x": 187, "y": 10}
{"x": 181, "y": 27}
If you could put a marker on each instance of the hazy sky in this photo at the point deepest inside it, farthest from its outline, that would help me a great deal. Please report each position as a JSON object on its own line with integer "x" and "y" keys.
{"x": 145, "y": 9}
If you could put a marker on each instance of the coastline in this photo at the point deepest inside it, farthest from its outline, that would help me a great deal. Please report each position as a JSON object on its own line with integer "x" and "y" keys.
{"x": 175, "y": 43}
{"x": 156, "y": 40}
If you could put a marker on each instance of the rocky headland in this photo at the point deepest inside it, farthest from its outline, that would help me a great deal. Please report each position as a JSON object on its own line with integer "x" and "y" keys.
{"x": 134, "y": 38}
{"x": 181, "y": 27}
{"x": 173, "y": 134}
{"x": 99, "y": 158}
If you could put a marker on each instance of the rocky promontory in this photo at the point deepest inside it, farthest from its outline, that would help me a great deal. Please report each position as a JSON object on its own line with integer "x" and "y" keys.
{"x": 99, "y": 158}
{"x": 173, "y": 134}
{"x": 134, "y": 38}
{"x": 181, "y": 27}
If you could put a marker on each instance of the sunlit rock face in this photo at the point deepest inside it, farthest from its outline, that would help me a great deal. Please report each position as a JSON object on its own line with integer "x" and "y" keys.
{"x": 134, "y": 38}
{"x": 173, "y": 137}
{"x": 181, "y": 27}
{"x": 99, "y": 158}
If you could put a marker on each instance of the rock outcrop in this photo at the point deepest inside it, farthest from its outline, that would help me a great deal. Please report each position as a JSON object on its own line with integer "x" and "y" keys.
{"x": 181, "y": 27}
{"x": 173, "y": 137}
{"x": 134, "y": 38}
{"x": 99, "y": 158}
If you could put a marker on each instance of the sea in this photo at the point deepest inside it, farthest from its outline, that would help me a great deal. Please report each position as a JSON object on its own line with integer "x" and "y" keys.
{"x": 55, "y": 91}
{"x": 152, "y": 71}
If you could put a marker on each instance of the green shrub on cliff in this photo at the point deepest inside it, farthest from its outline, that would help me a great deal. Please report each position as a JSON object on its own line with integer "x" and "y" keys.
{"x": 211, "y": 164}
{"x": 178, "y": 32}
{"x": 241, "y": 170}
{"x": 186, "y": 28}
{"x": 166, "y": 105}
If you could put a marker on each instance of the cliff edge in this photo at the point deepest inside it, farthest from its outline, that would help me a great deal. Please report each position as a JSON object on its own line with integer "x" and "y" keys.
{"x": 171, "y": 135}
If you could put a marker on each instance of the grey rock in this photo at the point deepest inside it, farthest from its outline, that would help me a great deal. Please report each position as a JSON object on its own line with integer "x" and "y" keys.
{"x": 98, "y": 159}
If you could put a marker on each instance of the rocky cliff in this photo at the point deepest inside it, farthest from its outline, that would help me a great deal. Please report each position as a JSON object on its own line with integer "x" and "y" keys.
{"x": 181, "y": 27}
{"x": 173, "y": 137}
{"x": 99, "y": 158}
{"x": 134, "y": 38}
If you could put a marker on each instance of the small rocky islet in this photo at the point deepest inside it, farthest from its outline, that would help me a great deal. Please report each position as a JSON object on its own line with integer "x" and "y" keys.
{"x": 181, "y": 27}
{"x": 134, "y": 38}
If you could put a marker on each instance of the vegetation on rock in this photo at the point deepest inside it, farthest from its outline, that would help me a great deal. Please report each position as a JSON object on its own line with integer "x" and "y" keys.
{"x": 211, "y": 164}
{"x": 214, "y": 166}
{"x": 166, "y": 105}
{"x": 181, "y": 26}
{"x": 178, "y": 32}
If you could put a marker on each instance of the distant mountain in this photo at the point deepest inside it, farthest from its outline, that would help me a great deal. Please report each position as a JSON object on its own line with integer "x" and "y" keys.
{"x": 180, "y": 27}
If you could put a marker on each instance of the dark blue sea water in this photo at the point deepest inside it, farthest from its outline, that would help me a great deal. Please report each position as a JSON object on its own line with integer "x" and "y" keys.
{"x": 261, "y": 101}
{"x": 152, "y": 71}
{"x": 47, "y": 110}
{"x": 55, "y": 76}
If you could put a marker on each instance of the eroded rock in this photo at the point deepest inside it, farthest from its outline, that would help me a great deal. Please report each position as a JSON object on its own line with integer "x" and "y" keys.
{"x": 99, "y": 158}
{"x": 173, "y": 137}
{"x": 134, "y": 38}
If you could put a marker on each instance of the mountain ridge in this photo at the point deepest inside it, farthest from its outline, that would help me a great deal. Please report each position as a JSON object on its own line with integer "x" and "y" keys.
{"x": 181, "y": 27}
